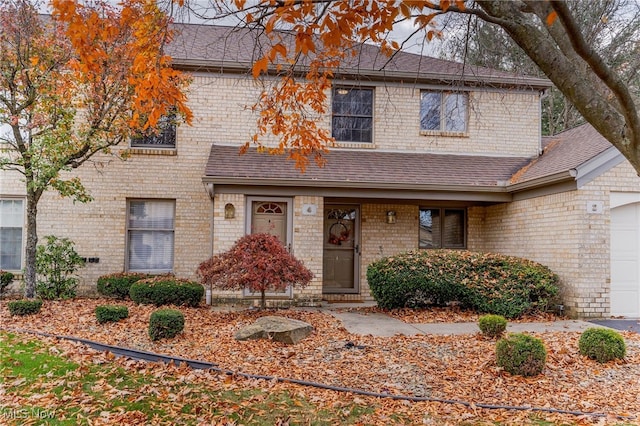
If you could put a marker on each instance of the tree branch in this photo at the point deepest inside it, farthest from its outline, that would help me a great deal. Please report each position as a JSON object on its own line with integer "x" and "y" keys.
{"x": 599, "y": 67}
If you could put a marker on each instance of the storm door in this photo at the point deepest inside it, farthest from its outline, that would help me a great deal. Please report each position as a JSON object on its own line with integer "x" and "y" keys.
{"x": 341, "y": 252}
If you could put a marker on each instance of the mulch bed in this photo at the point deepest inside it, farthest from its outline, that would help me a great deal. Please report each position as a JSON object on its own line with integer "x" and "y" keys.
{"x": 447, "y": 367}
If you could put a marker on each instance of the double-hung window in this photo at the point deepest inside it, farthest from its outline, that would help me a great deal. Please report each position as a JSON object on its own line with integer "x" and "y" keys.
{"x": 352, "y": 114}
{"x": 11, "y": 225}
{"x": 442, "y": 228}
{"x": 150, "y": 235}
{"x": 444, "y": 111}
{"x": 164, "y": 136}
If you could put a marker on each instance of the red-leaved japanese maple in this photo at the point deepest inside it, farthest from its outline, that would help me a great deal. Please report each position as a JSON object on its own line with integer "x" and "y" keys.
{"x": 257, "y": 262}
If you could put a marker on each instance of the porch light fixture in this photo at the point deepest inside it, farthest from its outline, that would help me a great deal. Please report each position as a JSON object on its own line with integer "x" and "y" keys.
{"x": 342, "y": 91}
{"x": 229, "y": 211}
{"x": 391, "y": 216}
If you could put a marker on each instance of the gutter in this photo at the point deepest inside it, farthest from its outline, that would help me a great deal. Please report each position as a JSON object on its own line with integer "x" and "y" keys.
{"x": 318, "y": 183}
{"x": 564, "y": 176}
{"x": 374, "y": 75}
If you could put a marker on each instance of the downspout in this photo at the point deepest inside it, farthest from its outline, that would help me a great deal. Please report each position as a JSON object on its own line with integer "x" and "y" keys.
{"x": 210, "y": 191}
{"x": 543, "y": 94}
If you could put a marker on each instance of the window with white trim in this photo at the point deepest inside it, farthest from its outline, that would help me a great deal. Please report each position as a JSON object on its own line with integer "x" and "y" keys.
{"x": 352, "y": 115}
{"x": 442, "y": 228}
{"x": 444, "y": 111}
{"x": 11, "y": 232}
{"x": 150, "y": 235}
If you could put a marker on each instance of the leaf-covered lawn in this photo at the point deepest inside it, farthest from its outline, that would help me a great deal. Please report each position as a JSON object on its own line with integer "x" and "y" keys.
{"x": 447, "y": 367}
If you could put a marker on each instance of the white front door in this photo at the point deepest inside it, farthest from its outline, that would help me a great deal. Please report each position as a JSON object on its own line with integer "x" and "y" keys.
{"x": 625, "y": 260}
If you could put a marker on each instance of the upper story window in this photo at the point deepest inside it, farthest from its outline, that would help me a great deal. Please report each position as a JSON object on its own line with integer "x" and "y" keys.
{"x": 11, "y": 225}
{"x": 444, "y": 111}
{"x": 163, "y": 137}
{"x": 442, "y": 228}
{"x": 352, "y": 115}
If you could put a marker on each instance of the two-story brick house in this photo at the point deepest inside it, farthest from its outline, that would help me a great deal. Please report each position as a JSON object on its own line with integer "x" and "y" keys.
{"x": 429, "y": 154}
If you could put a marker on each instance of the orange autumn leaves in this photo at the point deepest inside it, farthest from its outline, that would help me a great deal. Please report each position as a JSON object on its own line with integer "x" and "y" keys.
{"x": 318, "y": 38}
{"x": 119, "y": 53}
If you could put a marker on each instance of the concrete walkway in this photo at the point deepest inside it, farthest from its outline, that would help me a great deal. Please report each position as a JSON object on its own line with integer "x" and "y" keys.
{"x": 377, "y": 324}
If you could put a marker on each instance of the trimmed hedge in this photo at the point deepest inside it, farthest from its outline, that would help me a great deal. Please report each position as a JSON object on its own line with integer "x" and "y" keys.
{"x": 488, "y": 283}
{"x": 602, "y": 344}
{"x": 166, "y": 290}
{"x": 492, "y": 325}
{"x": 521, "y": 354}
{"x": 24, "y": 307}
{"x": 165, "y": 323}
{"x": 111, "y": 313}
{"x": 118, "y": 285}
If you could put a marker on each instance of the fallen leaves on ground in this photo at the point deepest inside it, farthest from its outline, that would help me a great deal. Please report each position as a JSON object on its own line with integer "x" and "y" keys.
{"x": 458, "y": 368}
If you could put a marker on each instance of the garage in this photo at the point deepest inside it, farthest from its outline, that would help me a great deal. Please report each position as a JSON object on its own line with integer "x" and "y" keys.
{"x": 625, "y": 260}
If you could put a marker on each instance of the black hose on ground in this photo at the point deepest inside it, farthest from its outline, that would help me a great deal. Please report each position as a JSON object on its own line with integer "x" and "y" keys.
{"x": 202, "y": 365}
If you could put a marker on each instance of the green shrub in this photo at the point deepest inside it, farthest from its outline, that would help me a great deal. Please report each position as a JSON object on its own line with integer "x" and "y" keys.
{"x": 488, "y": 283}
{"x": 521, "y": 354}
{"x": 56, "y": 261}
{"x": 118, "y": 285}
{"x": 492, "y": 325}
{"x": 24, "y": 307}
{"x": 5, "y": 279}
{"x": 602, "y": 344}
{"x": 111, "y": 313}
{"x": 166, "y": 290}
{"x": 165, "y": 323}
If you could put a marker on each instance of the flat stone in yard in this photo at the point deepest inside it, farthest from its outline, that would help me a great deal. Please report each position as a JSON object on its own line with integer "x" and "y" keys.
{"x": 282, "y": 329}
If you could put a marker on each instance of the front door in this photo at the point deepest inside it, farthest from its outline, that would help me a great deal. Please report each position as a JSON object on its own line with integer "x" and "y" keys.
{"x": 270, "y": 216}
{"x": 341, "y": 254}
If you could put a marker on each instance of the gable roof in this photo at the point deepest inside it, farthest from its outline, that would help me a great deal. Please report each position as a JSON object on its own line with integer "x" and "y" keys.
{"x": 223, "y": 48}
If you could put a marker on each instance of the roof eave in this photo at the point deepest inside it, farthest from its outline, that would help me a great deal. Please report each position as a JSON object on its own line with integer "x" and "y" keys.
{"x": 563, "y": 176}
{"x": 596, "y": 166}
{"x": 318, "y": 183}
{"x": 373, "y": 75}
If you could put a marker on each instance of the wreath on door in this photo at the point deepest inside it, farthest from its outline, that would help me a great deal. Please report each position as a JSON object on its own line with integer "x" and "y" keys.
{"x": 338, "y": 232}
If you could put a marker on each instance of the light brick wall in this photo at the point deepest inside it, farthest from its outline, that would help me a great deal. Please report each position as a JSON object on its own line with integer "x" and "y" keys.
{"x": 495, "y": 118}
{"x": 222, "y": 115}
{"x": 558, "y": 231}
{"x": 223, "y": 110}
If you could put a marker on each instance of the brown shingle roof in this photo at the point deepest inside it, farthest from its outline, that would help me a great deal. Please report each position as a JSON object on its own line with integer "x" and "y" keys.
{"x": 364, "y": 169}
{"x": 223, "y": 47}
{"x": 563, "y": 152}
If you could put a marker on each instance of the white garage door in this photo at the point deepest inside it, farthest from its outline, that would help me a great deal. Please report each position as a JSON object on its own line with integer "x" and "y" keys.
{"x": 625, "y": 260}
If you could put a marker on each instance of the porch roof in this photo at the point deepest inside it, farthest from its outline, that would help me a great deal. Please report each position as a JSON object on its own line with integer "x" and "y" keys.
{"x": 365, "y": 170}
{"x": 564, "y": 152}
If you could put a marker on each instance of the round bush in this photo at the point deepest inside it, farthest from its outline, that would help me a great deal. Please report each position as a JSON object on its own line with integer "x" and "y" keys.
{"x": 492, "y": 325}
{"x": 118, "y": 285}
{"x": 488, "y": 283}
{"x": 111, "y": 313}
{"x": 24, "y": 307}
{"x": 521, "y": 354}
{"x": 166, "y": 290}
{"x": 6, "y": 278}
{"x": 165, "y": 323}
{"x": 602, "y": 344}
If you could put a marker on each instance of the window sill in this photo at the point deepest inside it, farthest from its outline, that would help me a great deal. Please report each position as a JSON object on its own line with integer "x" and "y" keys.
{"x": 444, "y": 134}
{"x": 152, "y": 151}
{"x": 363, "y": 145}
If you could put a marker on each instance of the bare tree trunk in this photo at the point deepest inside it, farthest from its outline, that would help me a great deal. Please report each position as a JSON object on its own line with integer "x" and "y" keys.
{"x": 32, "y": 242}
{"x": 263, "y": 300}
